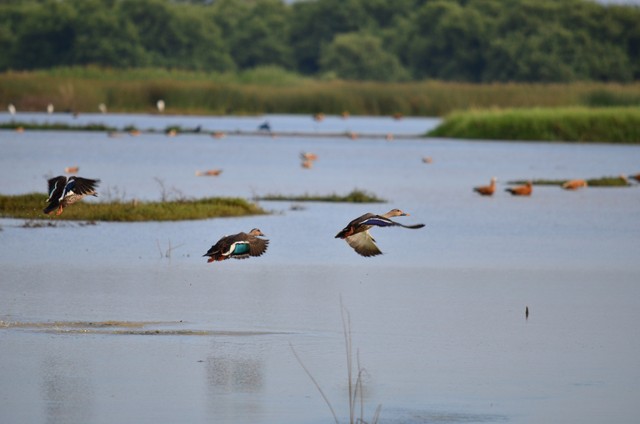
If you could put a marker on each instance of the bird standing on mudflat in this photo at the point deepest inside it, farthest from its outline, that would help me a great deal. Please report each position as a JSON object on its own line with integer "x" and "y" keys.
{"x": 65, "y": 191}
{"x": 238, "y": 246}
{"x": 356, "y": 233}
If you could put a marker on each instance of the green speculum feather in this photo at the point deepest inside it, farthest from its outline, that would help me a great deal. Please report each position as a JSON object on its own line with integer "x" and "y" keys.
{"x": 241, "y": 249}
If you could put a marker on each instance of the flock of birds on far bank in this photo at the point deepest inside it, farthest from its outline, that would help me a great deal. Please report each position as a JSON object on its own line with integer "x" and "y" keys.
{"x": 172, "y": 132}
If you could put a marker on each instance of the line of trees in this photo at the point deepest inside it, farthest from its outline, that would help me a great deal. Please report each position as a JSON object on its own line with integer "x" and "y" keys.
{"x": 383, "y": 40}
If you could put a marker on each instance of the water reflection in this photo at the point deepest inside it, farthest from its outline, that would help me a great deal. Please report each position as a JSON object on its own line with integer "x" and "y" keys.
{"x": 67, "y": 391}
{"x": 230, "y": 375}
{"x": 235, "y": 383}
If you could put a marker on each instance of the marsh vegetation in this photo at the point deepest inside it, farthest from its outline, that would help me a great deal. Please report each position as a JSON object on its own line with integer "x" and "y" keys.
{"x": 619, "y": 181}
{"x": 355, "y": 196}
{"x": 29, "y": 206}
{"x": 273, "y": 90}
{"x": 614, "y": 125}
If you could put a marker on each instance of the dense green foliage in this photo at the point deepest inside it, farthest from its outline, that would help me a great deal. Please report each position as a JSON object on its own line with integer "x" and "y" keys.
{"x": 29, "y": 206}
{"x": 615, "y": 125}
{"x": 271, "y": 90}
{"x": 356, "y": 196}
{"x": 458, "y": 40}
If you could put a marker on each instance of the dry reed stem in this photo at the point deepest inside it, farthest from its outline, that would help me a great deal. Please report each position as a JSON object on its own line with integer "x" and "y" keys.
{"x": 354, "y": 388}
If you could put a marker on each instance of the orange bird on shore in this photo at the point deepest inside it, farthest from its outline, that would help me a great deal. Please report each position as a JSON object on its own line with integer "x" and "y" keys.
{"x": 487, "y": 190}
{"x": 523, "y": 190}
{"x": 574, "y": 184}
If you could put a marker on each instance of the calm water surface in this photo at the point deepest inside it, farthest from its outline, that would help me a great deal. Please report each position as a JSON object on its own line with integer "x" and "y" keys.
{"x": 438, "y": 320}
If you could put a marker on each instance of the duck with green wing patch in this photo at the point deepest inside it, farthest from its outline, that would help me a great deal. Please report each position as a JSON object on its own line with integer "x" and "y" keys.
{"x": 238, "y": 246}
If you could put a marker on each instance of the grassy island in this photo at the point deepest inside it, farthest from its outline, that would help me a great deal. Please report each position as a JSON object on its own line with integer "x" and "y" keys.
{"x": 29, "y": 206}
{"x": 356, "y": 196}
{"x": 619, "y": 181}
{"x": 580, "y": 124}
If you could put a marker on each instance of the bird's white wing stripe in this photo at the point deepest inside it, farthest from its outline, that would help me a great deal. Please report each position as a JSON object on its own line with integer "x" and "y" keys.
{"x": 52, "y": 190}
{"x": 231, "y": 249}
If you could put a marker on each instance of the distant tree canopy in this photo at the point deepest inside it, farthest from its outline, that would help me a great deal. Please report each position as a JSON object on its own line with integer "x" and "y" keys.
{"x": 383, "y": 40}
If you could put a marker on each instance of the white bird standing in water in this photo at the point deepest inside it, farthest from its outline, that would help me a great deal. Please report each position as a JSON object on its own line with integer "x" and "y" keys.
{"x": 50, "y": 108}
{"x": 11, "y": 108}
{"x": 160, "y": 105}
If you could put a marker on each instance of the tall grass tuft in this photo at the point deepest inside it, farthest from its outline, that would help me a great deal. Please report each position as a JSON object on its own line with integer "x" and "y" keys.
{"x": 615, "y": 125}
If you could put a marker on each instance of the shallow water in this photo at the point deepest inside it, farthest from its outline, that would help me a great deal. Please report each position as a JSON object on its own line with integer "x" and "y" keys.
{"x": 102, "y": 324}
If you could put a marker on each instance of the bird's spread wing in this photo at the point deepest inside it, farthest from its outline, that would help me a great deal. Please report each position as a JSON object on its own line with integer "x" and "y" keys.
{"x": 215, "y": 250}
{"x": 257, "y": 246}
{"x": 253, "y": 246}
{"x": 56, "y": 185}
{"x": 363, "y": 244}
{"x": 380, "y": 221}
{"x": 81, "y": 186}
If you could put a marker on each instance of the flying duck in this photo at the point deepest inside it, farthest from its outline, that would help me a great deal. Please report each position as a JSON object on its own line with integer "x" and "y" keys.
{"x": 523, "y": 190}
{"x": 487, "y": 190}
{"x": 238, "y": 246}
{"x": 356, "y": 233}
{"x": 65, "y": 191}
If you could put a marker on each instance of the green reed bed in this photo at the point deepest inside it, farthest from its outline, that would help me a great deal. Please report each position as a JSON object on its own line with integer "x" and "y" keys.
{"x": 29, "y": 206}
{"x": 614, "y": 125}
{"x": 356, "y": 196}
{"x": 273, "y": 90}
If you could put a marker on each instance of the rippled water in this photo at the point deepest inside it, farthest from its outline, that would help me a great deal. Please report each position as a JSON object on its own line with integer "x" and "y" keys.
{"x": 99, "y": 325}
